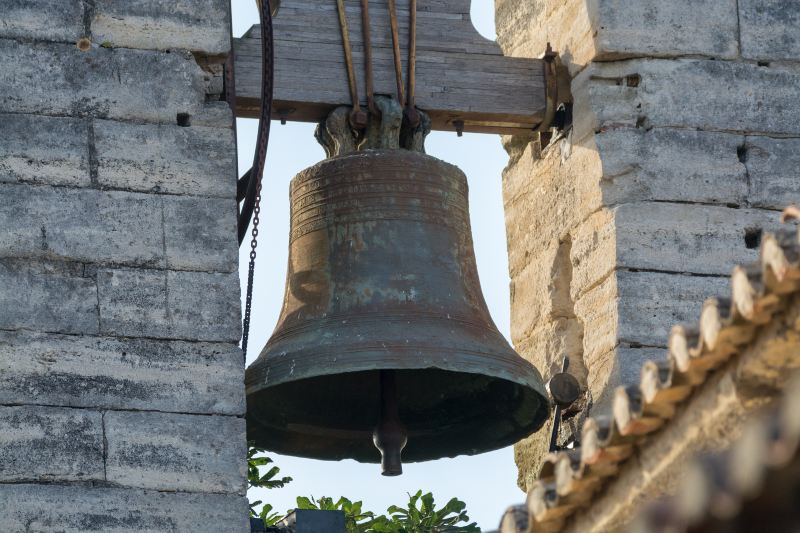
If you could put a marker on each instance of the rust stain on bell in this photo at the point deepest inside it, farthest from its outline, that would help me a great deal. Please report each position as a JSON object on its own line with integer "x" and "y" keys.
{"x": 382, "y": 278}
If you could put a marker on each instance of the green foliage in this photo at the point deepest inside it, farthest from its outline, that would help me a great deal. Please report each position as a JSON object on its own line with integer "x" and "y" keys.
{"x": 268, "y": 480}
{"x": 419, "y": 516}
{"x": 356, "y": 519}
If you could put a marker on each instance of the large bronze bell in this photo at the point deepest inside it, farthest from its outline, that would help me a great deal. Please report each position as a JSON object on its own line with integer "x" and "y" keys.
{"x": 384, "y": 333}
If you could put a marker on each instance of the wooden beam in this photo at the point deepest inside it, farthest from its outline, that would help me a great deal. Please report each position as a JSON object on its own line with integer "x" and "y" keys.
{"x": 460, "y": 75}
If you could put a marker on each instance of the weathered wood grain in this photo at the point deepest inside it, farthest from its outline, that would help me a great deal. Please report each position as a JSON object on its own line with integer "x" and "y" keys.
{"x": 460, "y": 75}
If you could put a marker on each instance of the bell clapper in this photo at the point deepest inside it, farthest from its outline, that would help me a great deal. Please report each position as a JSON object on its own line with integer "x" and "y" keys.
{"x": 390, "y": 435}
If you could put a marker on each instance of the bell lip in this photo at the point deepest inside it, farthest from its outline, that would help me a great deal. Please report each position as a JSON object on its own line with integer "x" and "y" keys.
{"x": 275, "y": 438}
{"x": 255, "y": 429}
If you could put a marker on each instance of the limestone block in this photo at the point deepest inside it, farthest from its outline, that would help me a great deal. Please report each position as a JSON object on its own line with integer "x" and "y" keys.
{"x": 166, "y": 304}
{"x": 618, "y": 367}
{"x": 532, "y": 293}
{"x": 770, "y": 29}
{"x": 657, "y": 28}
{"x": 685, "y": 238}
{"x": 110, "y": 373}
{"x": 547, "y": 345}
{"x": 73, "y": 509}
{"x": 640, "y": 308}
{"x": 59, "y": 79}
{"x": 688, "y": 238}
{"x": 166, "y": 158}
{"x": 200, "y": 233}
{"x": 529, "y": 454}
{"x": 594, "y": 254}
{"x": 197, "y": 25}
{"x": 216, "y": 114}
{"x": 688, "y": 93}
{"x": 650, "y": 303}
{"x": 774, "y": 169}
{"x": 44, "y": 20}
{"x": 81, "y": 225}
{"x": 176, "y": 452}
{"x": 587, "y": 30}
{"x": 524, "y": 27}
{"x": 47, "y": 297}
{"x": 545, "y": 198}
{"x": 45, "y": 150}
{"x": 50, "y": 444}
{"x": 670, "y": 164}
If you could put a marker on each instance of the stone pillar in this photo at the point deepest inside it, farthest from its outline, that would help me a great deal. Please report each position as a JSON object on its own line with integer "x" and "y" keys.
{"x": 121, "y": 383}
{"x": 685, "y": 144}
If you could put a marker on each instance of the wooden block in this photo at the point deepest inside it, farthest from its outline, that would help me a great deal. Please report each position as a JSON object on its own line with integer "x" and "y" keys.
{"x": 460, "y": 75}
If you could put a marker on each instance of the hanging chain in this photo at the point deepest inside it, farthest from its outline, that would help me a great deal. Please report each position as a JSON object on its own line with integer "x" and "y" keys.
{"x": 257, "y": 171}
{"x": 251, "y": 270}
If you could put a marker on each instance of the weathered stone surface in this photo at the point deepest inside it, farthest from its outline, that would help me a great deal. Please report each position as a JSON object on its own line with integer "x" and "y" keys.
{"x": 44, "y": 150}
{"x": 687, "y": 238}
{"x": 662, "y": 93}
{"x": 529, "y": 455}
{"x": 656, "y": 28}
{"x": 774, "y": 169}
{"x": 669, "y": 164}
{"x": 47, "y": 297}
{"x": 166, "y": 158}
{"x": 167, "y": 304}
{"x": 200, "y": 233}
{"x": 50, "y": 444}
{"x": 621, "y": 366}
{"x": 118, "y": 228}
{"x": 594, "y": 254}
{"x": 532, "y": 293}
{"x": 216, "y": 114}
{"x": 109, "y": 373}
{"x": 587, "y": 30}
{"x": 73, "y": 509}
{"x": 525, "y": 28}
{"x": 696, "y": 239}
{"x": 545, "y": 198}
{"x": 81, "y": 225}
{"x": 59, "y": 79}
{"x": 176, "y": 452}
{"x": 198, "y": 25}
{"x": 46, "y": 20}
{"x": 770, "y": 29}
{"x": 548, "y": 344}
{"x": 640, "y": 308}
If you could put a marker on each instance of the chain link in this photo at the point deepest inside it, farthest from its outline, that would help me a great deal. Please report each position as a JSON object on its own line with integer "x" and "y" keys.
{"x": 260, "y": 157}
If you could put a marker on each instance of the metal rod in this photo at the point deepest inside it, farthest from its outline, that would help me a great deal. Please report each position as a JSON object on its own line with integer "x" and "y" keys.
{"x": 368, "y": 58}
{"x": 390, "y": 435}
{"x": 557, "y": 415}
{"x": 410, "y": 114}
{"x": 398, "y": 64}
{"x": 356, "y": 118}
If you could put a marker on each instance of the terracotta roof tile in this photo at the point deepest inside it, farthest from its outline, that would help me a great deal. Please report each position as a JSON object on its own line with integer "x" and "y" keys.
{"x": 569, "y": 479}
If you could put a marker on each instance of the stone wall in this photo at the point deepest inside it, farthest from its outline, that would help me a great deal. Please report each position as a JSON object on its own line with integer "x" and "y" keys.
{"x": 121, "y": 383}
{"x": 685, "y": 143}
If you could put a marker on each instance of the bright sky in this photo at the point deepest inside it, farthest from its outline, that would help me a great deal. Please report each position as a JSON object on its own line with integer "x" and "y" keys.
{"x": 487, "y": 483}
